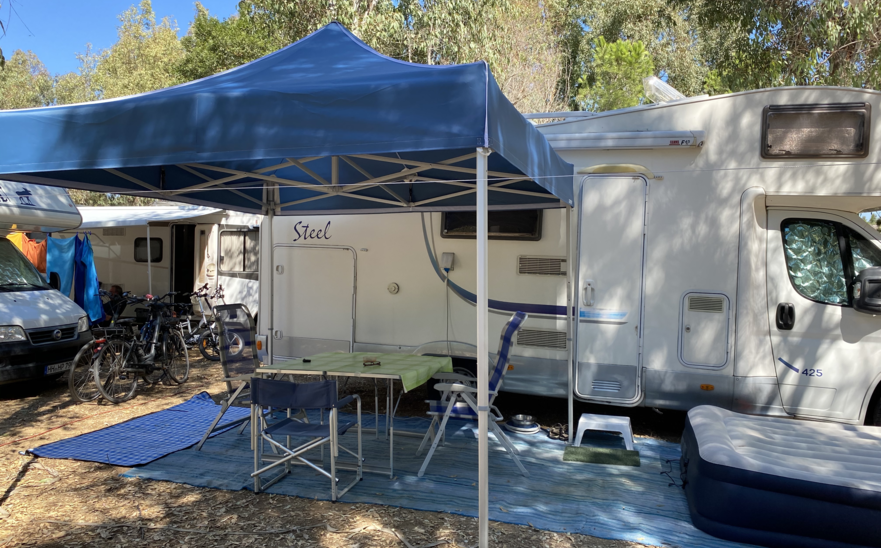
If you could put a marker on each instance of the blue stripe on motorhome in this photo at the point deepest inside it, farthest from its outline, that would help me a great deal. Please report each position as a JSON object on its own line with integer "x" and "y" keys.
{"x": 503, "y": 306}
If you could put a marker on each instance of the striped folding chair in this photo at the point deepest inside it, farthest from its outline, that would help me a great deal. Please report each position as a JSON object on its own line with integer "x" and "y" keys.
{"x": 459, "y": 399}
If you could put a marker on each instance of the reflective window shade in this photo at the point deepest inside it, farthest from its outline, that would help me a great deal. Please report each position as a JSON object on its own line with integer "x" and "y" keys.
{"x": 239, "y": 250}
{"x": 813, "y": 259}
{"x": 865, "y": 253}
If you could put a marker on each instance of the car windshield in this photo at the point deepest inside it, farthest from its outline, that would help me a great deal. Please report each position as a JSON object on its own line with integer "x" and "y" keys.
{"x": 16, "y": 272}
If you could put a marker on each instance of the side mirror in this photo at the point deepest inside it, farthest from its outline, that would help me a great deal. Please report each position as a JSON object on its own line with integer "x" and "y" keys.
{"x": 54, "y": 280}
{"x": 867, "y": 291}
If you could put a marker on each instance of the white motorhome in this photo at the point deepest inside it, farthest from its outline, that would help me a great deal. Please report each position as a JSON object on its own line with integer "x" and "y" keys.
{"x": 189, "y": 247}
{"x": 42, "y": 330}
{"x": 715, "y": 240}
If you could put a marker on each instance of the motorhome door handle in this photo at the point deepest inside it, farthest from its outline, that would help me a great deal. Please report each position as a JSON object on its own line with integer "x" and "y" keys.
{"x": 587, "y": 294}
{"x": 785, "y": 316}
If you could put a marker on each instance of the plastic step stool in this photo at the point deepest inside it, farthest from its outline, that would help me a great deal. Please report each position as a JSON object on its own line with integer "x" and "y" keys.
{"x": 605, "y": 423}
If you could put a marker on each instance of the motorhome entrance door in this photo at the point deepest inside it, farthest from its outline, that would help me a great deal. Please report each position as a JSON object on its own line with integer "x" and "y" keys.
{"x": 313, "y": 295}
{"x": 611, "y": 241}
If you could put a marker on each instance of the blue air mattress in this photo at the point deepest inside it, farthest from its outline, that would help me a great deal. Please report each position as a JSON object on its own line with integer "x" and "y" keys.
{"x": 780, "y": 482}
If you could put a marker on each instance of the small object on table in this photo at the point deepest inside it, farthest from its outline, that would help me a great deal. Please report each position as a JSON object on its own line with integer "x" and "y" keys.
{"x": 370, "y": 361}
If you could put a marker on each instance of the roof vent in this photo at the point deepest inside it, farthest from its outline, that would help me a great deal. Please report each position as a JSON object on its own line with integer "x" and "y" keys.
{"x": 715, "y": 305}
{"x": 542, "y": 266}
{"x": 541, "y": 338}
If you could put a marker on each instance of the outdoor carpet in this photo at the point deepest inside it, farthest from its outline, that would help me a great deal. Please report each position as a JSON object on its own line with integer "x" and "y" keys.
{"x": 636, "y": 504}
{"x": 146, "y": 438}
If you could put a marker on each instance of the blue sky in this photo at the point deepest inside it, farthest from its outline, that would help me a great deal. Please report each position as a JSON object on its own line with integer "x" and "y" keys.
{"x": 57, "y": 29}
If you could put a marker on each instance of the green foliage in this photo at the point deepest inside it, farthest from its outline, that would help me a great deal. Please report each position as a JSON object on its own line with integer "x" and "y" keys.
{"x": 616, "y": 77}
{"x": 25, "y": 82}
{"x": 87, "y": 198}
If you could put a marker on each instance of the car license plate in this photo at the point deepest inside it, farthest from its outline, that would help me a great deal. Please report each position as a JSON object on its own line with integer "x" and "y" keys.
{"x": 58, "y": 367}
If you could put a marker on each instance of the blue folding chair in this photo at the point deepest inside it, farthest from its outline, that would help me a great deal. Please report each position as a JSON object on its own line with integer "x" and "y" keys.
{"x": 269, "y": 394}
{"x": 459, "y": 399}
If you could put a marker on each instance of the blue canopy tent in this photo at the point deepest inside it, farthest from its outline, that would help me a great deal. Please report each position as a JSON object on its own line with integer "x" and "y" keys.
{"x": 325, "y": 125}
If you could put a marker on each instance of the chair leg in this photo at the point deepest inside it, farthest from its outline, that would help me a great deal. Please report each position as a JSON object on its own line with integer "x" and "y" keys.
{"x": 224, "y": 406}
{"x": 443, "y": 426}
{"x": 333, "y": 453}
{"x": 428, "y": 434}
{"x": 509, "y": 447}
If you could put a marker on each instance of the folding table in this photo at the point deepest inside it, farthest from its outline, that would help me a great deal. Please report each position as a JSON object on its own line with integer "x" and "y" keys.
{"x": 412, "y": 371}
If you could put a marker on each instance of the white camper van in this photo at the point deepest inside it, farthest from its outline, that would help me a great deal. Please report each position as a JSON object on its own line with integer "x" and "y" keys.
{"x": 715, "y": 245}
{"x": 42, "y": 330}
{"x": 188, "y": 247}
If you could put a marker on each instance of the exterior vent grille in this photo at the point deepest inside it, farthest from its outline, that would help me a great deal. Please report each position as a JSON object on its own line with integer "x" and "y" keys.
{"x": 540, "y": 338}
{"x": 114, "y": 231}
{"x": 43, "y": 336}
{"x": 715, "y": 305}
{"x": 606, "y": 386}
{"x": 542, "y": 266}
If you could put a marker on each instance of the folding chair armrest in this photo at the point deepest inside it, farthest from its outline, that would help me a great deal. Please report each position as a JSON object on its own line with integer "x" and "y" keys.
{"x": 454, "y": 387}
{"x": 454, "y": 377}
{"x": 346, "y": 401}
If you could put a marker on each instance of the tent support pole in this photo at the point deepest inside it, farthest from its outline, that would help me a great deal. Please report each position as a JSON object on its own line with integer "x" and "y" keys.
{"x": 266, "y": 318}
{"x": 570, "y": 325}
{"x": 149, "y": 263}
{"x": 482, "y": 348}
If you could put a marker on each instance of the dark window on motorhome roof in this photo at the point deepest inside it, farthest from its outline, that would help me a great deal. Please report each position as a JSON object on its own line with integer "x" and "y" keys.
{"x": 503, "y": 225}
{"x": 816, "y": 131}
{"x": 141, "y": 250}
{"x": 239, "y": 250}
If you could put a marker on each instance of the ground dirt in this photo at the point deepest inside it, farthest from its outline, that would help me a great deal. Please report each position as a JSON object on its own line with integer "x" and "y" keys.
{"x": 63, "y": 503}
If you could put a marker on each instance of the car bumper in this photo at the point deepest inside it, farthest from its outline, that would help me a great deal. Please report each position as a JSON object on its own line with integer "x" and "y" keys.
{"x": 21, "y": 361}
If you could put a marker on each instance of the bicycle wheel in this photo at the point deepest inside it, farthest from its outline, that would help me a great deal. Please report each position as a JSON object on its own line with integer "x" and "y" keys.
{"x": 81, "y": 378}
{"x": 114, "y": 382}
{"x": 208, "y": 346}
{"x": 236, "y": 344}
{"x": 177, "y": 360}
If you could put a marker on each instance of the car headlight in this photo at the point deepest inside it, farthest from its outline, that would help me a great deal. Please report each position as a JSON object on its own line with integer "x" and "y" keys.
{"x": 82, "y": 324}
{"x": 12, "y": 333}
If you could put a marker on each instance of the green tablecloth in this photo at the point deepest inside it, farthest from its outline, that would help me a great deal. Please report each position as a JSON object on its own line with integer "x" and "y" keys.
{"x": 412, "y": 370}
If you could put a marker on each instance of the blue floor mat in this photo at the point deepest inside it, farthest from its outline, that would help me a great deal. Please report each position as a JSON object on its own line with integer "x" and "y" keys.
{"x": 636, "y": 504}
{"x": 144, "y": 439}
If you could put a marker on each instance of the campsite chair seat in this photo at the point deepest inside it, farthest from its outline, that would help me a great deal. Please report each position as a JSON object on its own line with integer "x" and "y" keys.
{"x": 237, "y": 367}
{"x": 459, "y": 399}
{"x": 267, "y": 394}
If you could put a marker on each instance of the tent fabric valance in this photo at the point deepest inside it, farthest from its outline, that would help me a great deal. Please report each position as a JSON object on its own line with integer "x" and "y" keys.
{"x": 338, "y": 127}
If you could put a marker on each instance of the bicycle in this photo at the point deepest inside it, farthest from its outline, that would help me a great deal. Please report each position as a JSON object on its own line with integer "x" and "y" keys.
{"x": 209, "y": 341}
{"x": 81, "y": 378}
{"x": 155, "y": 352}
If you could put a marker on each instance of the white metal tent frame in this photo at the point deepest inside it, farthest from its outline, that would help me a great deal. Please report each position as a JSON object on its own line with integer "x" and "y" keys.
{"x": 481, "y": 190}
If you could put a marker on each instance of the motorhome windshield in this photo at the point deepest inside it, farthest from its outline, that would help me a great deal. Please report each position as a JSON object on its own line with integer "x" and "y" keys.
{"x": 16, "y": 272}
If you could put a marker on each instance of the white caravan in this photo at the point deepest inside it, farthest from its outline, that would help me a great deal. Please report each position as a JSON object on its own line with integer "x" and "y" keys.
{"x": 715, "y": 243}
{"x": 189, "y": 246}
{"x": 42, "y": 330}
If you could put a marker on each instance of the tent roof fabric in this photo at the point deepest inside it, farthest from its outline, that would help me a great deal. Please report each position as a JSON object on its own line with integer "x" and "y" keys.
{"x": 98, "y": 217}
{"x": 336, "y": 125}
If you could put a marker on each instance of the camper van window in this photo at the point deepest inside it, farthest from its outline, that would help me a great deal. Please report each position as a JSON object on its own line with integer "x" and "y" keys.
{"x": 239, "y": 250}
{"x": 155, "y": 250}
{"x": 816, "y": 131}
{"x": 503, "y": 225}
{"x": 863, "y": 252}
{"x": 16, "y": 272}
{"x": 813, "y": 259}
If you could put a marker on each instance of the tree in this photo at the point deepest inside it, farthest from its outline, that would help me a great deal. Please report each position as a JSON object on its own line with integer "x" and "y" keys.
{"x": 25, "y": 82}
{"x": 88, "y": 198}
{"x": 615, "y": 80}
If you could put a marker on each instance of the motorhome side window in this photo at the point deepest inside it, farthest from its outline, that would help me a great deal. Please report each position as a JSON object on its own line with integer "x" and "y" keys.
{"x": 239, "y": 250}
{"x": 816, "y": 131}
{"x": 155, "y": 250}
{"x": 821, "y": 256}
{"x": 503, "y": 225}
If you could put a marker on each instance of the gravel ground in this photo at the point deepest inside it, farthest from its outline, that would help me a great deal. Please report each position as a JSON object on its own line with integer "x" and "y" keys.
{"x": 62, "y": 503}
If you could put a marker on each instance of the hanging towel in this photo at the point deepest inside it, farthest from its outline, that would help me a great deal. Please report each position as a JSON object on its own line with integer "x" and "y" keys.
{"x": 16, "y": 238}
{"x": 79, "y": 275}
{"x": 59, "y": 258}
{"x": 36, "y": 253}
{"x": 93, "y": 305}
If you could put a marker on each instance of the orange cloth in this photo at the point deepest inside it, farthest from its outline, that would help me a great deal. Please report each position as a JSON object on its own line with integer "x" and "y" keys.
{"x": 35, "y": 252}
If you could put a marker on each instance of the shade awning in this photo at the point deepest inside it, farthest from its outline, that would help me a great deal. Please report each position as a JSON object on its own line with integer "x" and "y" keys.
{"x": 98, "y": 217}
{"x": 335, "y": 125}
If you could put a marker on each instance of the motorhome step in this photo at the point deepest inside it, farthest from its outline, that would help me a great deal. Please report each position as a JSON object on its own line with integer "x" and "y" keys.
{"x": 604, "y": 423}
